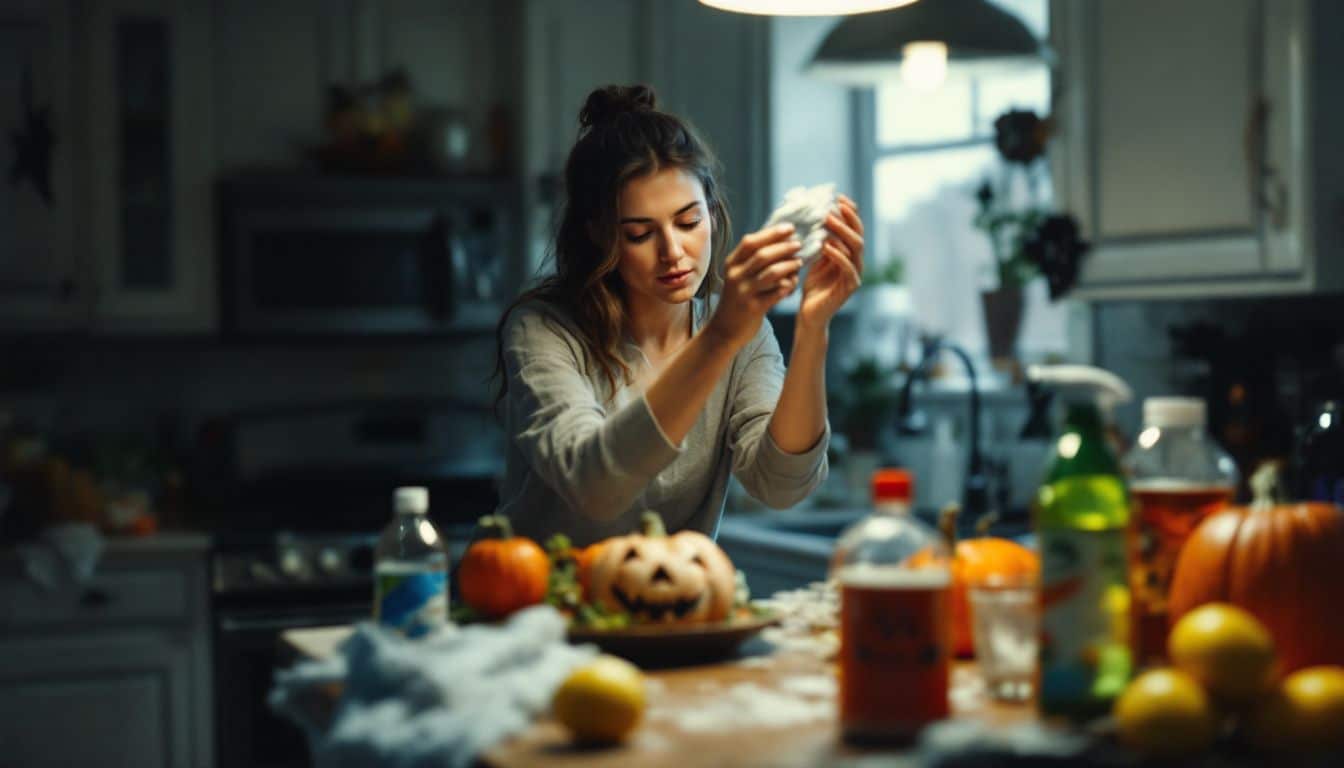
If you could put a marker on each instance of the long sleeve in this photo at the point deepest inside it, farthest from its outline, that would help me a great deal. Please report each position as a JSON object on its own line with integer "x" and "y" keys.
{"x": 778, "y": 479}
{"x": 598, "y": 460}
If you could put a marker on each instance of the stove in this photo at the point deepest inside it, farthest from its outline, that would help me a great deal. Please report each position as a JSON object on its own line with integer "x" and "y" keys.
{"x": 307, "y": 493}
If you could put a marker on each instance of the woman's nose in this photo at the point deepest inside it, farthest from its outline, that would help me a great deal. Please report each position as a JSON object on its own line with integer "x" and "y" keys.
{"x": 671, "y": 250}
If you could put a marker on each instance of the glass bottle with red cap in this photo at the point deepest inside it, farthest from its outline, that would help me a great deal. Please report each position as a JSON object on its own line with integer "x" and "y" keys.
{"x": 894, "y": 575}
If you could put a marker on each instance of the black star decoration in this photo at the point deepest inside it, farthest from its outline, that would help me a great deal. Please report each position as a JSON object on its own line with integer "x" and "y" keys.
{"x": 33, "y": 144}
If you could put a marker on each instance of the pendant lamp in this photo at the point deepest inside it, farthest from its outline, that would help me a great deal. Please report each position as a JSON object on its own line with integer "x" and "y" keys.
{"x": 924, "y": 42}
{"x": 804, "y": 7}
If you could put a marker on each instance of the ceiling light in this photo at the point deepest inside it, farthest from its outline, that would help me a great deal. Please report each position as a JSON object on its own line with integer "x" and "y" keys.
{"x": 805, "y": 7}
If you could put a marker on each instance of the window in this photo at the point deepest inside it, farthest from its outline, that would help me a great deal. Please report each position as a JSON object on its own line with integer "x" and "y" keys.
{"x": 923, "y": 155}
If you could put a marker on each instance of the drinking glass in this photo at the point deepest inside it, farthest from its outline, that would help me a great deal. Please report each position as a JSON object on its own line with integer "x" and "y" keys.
{"x": 1005, "y": 626}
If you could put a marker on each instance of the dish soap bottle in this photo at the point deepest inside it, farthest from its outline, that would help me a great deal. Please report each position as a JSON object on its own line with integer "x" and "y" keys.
{"x": 411, "y": 568}
{"x": 1081, "y": 513}
{"x": 895, "y": 580}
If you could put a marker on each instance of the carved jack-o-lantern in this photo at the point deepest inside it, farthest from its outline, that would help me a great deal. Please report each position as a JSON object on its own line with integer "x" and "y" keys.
{"x": 655, "y": 577}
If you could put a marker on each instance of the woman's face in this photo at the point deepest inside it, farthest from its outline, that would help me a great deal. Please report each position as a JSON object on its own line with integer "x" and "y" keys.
{"x": 664, "y": 236}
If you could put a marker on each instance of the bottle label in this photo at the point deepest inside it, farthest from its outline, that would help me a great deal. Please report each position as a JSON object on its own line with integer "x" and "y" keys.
{"x": 895, "y": 654}
{"x": 1084, "y": 649}
{"x": 414, "y": 602}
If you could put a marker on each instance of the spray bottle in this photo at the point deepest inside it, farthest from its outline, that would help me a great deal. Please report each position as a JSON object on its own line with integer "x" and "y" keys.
{"x": 1081, "y": 513}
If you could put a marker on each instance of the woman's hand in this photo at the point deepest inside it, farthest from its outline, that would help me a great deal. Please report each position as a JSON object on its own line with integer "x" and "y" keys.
{"x": 838, "y": 273}
{"x": 758, "y": 273}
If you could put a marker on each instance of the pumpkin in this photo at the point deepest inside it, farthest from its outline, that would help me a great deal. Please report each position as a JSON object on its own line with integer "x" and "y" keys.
{"x": 980, "y": 560}
{"x": 501, "y": 573}
{"x": 1280, "y": 562}
{"x": 682, "y": 578}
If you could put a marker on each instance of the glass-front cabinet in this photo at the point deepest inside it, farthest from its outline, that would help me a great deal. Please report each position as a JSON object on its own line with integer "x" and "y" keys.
{"x": 150, "y": 163}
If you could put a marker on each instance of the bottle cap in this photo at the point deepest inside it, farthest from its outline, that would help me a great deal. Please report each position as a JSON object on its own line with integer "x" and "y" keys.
{"x": 1174, "y": 412}
{"x": 411, "y": 500}
{"x": 892, "y": 485}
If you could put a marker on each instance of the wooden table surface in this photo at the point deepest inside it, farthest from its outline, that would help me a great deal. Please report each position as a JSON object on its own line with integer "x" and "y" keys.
{"x": 680, "y": 727}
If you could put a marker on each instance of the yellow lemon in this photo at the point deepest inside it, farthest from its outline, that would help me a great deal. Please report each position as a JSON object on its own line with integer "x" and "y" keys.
{"x": 601, "y": 701}
{"x": 1306, "y": 711}
{"x": 1165, "y": 713}
{"x": 1226, "y": 649}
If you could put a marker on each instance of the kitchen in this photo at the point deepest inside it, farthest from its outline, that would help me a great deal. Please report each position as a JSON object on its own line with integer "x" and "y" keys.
{"x": 200, "y": 364}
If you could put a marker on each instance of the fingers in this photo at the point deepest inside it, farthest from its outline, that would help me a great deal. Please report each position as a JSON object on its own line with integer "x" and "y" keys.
{"x": 843, "y": 263}
{"x": 755, "y": 241}
{"x": 770, "y": 278}
{"x": 848, "y": 235}
{"x": 850, "y": 211}
{"x": 770, "y": 255}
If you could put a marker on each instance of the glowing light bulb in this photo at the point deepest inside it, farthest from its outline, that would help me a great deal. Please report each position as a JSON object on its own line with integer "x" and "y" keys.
{"x": 924, "y": 65}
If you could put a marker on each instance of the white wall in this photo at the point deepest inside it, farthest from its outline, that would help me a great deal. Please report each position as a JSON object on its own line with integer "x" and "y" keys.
{"x": 810, "y": 126}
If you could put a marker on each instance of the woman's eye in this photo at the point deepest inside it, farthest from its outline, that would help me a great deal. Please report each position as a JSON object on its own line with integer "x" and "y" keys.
{"x": 638, "y": 238}
{"x": 689, "y": 224}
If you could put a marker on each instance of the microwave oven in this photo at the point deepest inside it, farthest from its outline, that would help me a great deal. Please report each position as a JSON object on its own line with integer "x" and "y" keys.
{"x": 317, "y": 255}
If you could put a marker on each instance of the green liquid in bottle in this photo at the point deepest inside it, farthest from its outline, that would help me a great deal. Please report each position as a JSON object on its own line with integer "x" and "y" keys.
{"x": 1081, "y": 513}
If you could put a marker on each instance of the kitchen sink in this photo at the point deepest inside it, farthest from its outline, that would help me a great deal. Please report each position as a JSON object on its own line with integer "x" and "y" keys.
{"x": 790, "y": 549}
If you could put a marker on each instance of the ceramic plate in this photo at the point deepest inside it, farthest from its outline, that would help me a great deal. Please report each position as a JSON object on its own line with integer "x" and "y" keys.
{"x": 677, "y": 644}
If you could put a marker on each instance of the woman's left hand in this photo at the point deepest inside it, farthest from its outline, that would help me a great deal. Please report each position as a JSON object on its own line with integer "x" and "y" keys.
{"x": 835, "y": 276}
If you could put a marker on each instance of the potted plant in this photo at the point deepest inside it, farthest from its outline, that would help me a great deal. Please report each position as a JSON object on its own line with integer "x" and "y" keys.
{"x": 1028, "y": 239}
{"x": 862, "y": 404}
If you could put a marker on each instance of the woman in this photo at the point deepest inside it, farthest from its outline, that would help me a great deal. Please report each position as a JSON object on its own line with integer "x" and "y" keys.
{"x": 640, "y": 373}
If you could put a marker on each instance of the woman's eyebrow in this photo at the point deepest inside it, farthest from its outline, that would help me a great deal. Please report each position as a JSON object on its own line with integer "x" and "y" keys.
{"x": 647, "y": 220}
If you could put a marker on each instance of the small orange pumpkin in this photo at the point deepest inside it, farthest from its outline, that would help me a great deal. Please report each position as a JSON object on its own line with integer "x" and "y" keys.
{"x": 682, "y": 578}
{"x": 502, "y": 573}
{"x": 980, "y": 560}
{"x": 1280, "y": 562}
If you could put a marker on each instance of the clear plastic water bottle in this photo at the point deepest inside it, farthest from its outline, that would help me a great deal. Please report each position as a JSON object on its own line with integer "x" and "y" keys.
{"x": 411, "y": 568}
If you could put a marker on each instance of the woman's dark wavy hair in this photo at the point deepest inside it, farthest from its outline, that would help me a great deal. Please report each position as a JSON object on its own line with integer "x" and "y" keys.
{"x": 622, "y": 135}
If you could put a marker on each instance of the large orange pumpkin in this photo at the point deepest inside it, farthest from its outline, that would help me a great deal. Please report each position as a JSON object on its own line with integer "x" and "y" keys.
{"x": 682, "y": 578}
{"x": 1281, "y": 562}
{"x": 980, "y": 560}
{"x": 501, "y": 573}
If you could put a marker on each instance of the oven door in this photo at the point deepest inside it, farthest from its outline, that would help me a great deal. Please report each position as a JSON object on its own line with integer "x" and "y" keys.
{"x": 338, "y": 270}
{"x": 248, "y": 653}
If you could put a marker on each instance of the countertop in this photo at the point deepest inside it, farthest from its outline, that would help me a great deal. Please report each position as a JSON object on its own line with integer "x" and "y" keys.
{"x": 687, "y": 723}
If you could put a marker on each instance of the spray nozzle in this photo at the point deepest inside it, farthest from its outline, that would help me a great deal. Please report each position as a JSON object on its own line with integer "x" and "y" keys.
{"x": 1082, "y": 383}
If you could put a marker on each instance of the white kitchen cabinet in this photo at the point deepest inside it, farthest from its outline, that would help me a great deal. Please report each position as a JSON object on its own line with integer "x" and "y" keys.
{"x": 116, "y": 673}
{"x": 146, "y": 81}
{"x": 43, "y": 284}
{"x": 1195, "y": 145}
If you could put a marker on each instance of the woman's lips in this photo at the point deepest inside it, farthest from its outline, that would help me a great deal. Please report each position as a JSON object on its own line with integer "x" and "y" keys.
{"x": 675, "y": 279}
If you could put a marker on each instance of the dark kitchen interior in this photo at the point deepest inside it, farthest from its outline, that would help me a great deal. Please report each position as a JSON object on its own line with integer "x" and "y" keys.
{"x": 252, "y": 258}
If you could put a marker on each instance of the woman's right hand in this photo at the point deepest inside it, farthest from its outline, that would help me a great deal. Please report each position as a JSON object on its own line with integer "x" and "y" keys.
{"x": 761, "y": 271}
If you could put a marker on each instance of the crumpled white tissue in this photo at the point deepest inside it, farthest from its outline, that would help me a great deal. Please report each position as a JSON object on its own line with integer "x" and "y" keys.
{"x": 433, "y": 701}
{"x": 64, "y": 555}
{"x": 806, "y": 208}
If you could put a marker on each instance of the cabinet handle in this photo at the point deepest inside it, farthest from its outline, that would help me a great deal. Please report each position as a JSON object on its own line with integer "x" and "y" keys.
{"x": 1268, "y": 191}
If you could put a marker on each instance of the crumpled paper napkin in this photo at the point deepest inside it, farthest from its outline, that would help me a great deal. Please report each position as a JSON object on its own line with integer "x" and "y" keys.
{"x": 806, "y": 208}
{"x": 433, "y": 701}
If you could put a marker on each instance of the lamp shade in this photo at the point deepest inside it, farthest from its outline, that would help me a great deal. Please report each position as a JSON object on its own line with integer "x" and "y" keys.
{"x": 805, "y": 7}
{"x": 868, "y": 50}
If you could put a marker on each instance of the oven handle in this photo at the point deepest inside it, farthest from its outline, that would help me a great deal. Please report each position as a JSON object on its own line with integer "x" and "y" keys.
{"x": 271, "y": 624}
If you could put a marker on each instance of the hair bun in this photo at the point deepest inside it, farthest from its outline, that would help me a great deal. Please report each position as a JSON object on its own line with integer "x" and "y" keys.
{"x": 608, "y": 102}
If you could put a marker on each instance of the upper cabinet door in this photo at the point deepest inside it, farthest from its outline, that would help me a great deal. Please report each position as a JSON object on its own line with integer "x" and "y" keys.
{"x": 1182, "y": 144}
{"x": 43, "y": 284}
{"x": 151, "y": 163}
